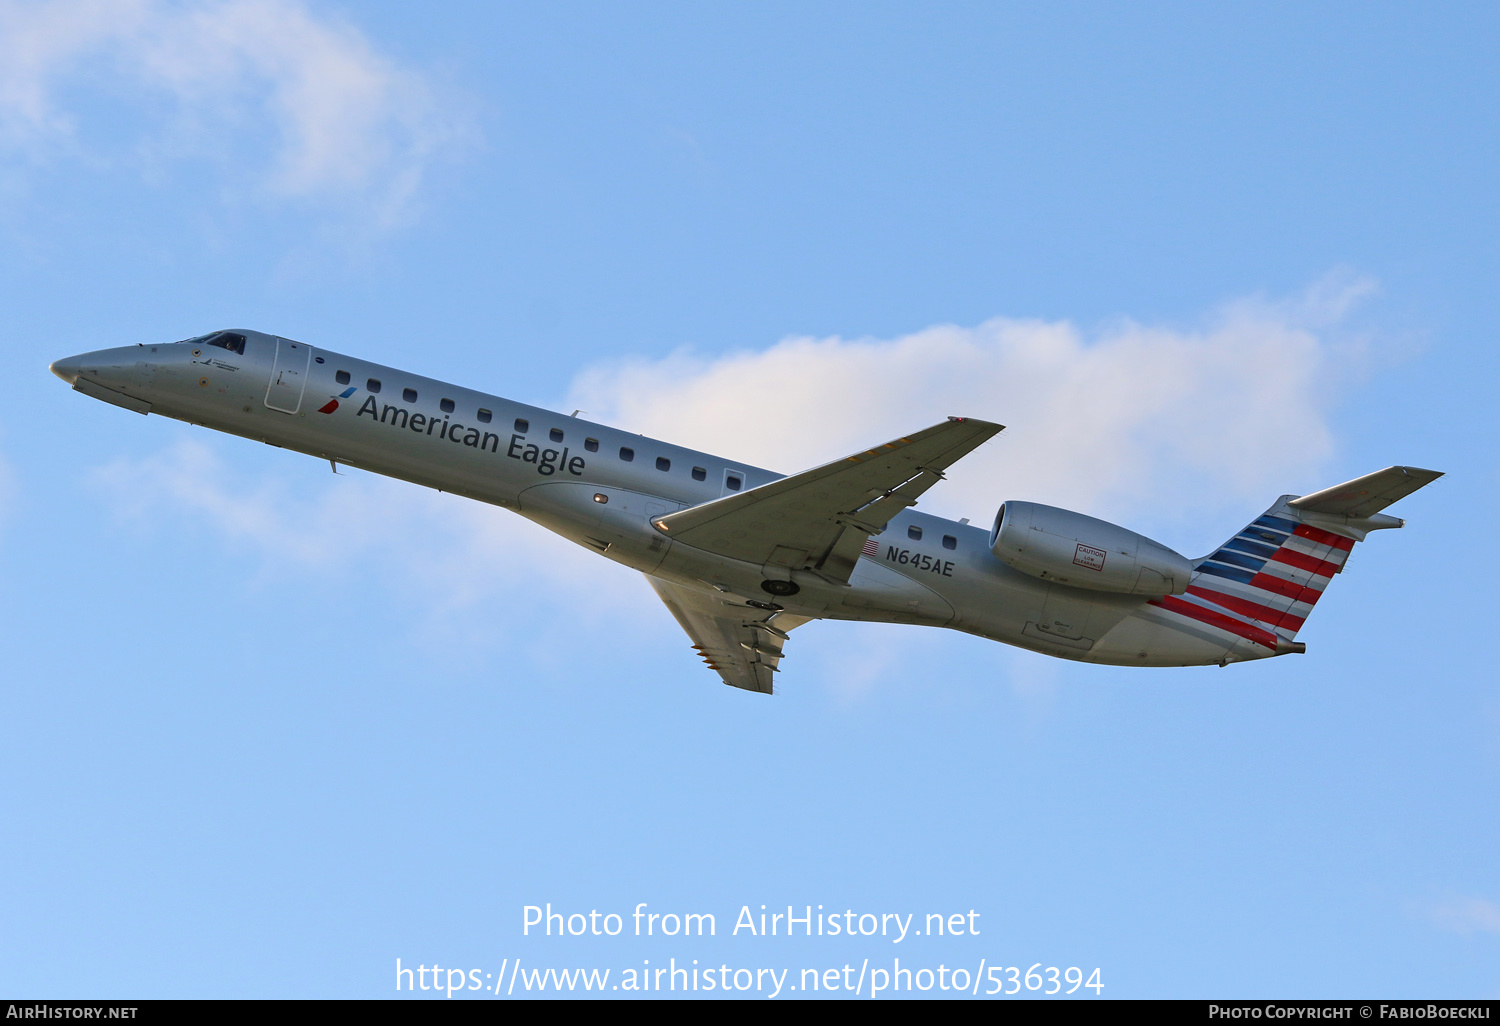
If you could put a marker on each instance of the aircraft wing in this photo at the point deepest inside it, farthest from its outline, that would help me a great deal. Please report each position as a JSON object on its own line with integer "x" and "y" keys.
{"x": 820, "y": 519}
{"x": 737, "y": 641}
{"x": 1368, "y": 495}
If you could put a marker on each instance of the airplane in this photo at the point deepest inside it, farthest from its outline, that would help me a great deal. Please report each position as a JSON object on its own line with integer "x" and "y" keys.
{"x": 741, "y": 556}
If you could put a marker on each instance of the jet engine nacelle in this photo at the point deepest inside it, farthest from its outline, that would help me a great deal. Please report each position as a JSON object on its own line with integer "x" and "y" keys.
{"x": 1070, "y": 548}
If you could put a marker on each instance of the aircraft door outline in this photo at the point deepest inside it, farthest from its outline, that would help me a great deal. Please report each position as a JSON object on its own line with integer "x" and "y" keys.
{"x": 288, "y": 376}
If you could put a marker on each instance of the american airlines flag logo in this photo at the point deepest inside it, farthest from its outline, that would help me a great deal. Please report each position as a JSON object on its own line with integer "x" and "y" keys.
{"x": 333, "y": 401}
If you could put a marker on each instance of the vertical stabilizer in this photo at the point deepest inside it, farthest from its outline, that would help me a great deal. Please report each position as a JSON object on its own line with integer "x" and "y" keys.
{"x": 1259, "y": 587}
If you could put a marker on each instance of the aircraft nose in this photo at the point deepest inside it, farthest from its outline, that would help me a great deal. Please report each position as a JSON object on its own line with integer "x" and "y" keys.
{"x": 68, "y": 369}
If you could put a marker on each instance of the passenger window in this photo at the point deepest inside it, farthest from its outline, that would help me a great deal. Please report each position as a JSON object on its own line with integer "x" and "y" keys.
{"x": 591, "y": 444}
{"x": 662, "y": 463}
{"x": 914, "y": 533}
{"x": 409, "y": 395}
{"x": 373, "y": 385}
{"x": 950, "y": 542}
{"x": 699, "y": 474}
{"x": 446, "y": 405}
{"x": 733, "y": 482}
{"x": 555, "y": 434}
{"x": 484, "y": 416}
{"x": 522, "y": 425}
{"x": 627, "y": 454}
{"x": 342, "y": 377}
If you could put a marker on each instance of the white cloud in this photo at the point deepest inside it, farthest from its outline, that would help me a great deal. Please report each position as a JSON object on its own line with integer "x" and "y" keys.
{"x": 348, "y": 122}
{"x": 1131, "y": 420}
{"x": 1466, "y": 915}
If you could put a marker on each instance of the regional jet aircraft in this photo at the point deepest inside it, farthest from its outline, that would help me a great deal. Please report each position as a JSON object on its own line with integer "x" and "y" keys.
{"x": 741, "y": 556}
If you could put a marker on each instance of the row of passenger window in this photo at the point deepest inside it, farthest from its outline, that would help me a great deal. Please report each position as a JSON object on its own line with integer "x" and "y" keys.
{"x": 731, "y": 481}
{"x": 915, "y": 534}
{"x": 373, "y": 386}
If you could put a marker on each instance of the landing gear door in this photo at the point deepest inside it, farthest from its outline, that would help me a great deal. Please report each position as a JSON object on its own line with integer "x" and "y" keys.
{"x": 288, "y": 376}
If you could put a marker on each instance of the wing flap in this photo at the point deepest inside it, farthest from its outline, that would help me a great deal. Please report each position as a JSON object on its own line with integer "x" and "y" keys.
{"x": 738, "y": 642}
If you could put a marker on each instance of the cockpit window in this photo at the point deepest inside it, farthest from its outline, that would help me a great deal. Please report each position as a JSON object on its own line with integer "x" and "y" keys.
{"x": 226, "y": 340}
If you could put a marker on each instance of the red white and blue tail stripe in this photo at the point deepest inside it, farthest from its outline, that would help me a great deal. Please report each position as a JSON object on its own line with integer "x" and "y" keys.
{"x": 1258, "y": 588}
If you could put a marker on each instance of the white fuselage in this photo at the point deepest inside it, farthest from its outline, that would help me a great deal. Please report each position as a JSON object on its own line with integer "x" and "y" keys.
{"x": 599, "y": 487}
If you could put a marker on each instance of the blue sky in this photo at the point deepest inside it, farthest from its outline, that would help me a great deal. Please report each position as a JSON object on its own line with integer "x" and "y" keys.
{"x": 269, "y": 730}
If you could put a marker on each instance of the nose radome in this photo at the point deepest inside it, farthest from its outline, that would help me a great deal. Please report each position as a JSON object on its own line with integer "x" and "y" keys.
{"x": 68, "y": 369}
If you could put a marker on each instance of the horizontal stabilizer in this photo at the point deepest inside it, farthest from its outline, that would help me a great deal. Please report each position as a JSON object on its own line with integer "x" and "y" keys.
{"x": 1368, "y": 495}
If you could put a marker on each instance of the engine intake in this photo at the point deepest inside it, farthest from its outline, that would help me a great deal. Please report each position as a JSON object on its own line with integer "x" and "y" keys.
{"x": 1070, "y": 548}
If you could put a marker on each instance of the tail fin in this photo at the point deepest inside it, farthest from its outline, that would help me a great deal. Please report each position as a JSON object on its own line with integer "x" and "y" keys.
{"x": 1262, "y": 584}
